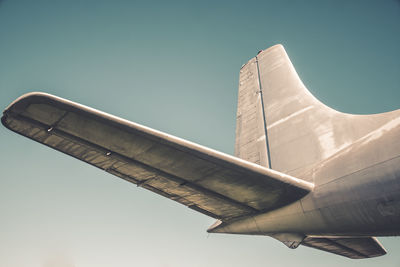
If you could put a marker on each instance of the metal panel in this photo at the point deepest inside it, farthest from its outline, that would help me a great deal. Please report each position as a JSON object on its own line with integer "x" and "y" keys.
{"x": 216, "y": 184}
{"x": 250, "y": 141}
{"x": 354, "y": 248}
{"x": 301, "y": 131}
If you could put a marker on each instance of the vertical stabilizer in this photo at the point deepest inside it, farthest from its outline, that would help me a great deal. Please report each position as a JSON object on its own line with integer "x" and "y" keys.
{"x": 282, "y": 126}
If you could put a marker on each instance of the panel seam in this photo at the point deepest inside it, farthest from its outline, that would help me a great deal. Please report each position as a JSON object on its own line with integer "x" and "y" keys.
{"x": 263, "y": 114}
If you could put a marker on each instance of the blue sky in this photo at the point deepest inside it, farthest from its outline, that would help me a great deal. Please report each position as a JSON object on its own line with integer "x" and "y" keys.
{"x": 172, "y": 66}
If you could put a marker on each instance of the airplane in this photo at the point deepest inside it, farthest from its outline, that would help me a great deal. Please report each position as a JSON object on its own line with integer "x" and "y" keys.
{"x": 303, "y": 173}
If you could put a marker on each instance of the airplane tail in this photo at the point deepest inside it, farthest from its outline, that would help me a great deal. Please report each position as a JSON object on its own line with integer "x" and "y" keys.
{"x": 282, "y": 126}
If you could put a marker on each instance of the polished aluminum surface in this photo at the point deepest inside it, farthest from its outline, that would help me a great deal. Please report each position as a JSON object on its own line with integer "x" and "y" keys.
{"x": 303, "y": 172}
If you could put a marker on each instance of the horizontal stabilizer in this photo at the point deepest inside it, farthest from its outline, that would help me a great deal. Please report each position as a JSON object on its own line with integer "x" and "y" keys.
{"x": 352, "y": 247}
{"x": 203, "y": 179}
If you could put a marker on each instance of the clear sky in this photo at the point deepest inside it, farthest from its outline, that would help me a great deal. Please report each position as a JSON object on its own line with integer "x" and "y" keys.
{"x": 172, "y": 66}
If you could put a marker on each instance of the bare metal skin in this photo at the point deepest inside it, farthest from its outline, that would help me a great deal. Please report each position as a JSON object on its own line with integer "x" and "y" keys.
{"x": 303, "y": 173}
{"x": 353, "y": 160}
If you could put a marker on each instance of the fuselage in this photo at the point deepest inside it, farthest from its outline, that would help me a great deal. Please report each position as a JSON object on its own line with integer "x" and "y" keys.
{"x": 357, "y": 193}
